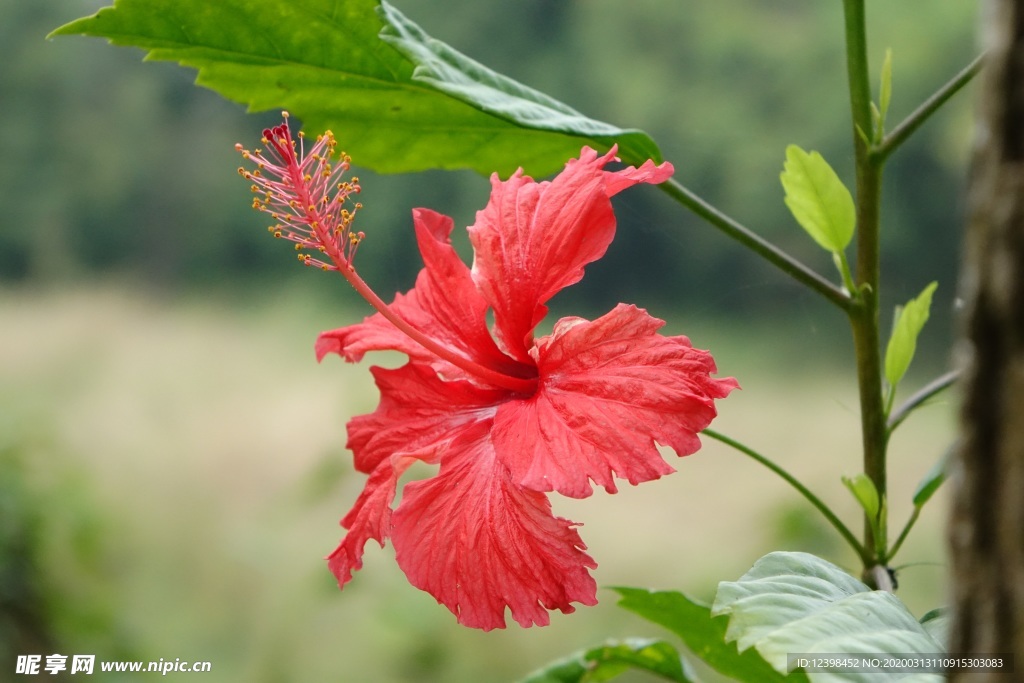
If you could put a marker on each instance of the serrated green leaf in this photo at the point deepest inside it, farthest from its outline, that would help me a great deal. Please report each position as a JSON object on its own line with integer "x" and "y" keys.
{"x": 818, "y": 199}
{"x": 325, "y": 62}
{"x": 451, "y": 72}
{"x": 797, "y": 603}
{"x": 903, "y": 342}
{"x": 607, "y": 661}
{"x": 863, "y": 489}
{"x": 932, "y": 480}
{"x": 703, "y": 635}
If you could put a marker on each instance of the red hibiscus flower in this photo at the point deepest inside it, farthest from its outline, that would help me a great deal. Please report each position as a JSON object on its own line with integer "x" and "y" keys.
{"x": 505, "y": 416}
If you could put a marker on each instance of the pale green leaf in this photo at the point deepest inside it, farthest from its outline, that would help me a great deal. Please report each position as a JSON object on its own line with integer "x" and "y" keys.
{"x": 937, "y": 623}
{"x": 903, "y": 342}
{"x": 792, "y": 603}
{"x": 818, "y": 199}
{"x": 326, "y": 63}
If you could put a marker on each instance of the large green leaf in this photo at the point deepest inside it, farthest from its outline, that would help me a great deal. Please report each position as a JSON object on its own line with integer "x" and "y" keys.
{"x": 605, "y": 662}
{"x": 792, "y": 603}
{"x": 420, "y": 106}
{"x": 703, "y": 634}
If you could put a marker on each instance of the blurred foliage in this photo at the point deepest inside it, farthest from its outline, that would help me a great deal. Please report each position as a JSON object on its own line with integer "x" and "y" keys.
{"x": 115, "y": 166}
{"x": 56, "y": 556}
{"x": 24, "y": 625}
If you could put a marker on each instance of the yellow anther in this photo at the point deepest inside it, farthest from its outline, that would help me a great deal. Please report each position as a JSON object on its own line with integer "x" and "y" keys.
{"x": 277, "y": 233}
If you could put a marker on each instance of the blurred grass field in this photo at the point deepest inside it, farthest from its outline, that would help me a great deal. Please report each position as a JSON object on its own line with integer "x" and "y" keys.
{"x": 182, "y": 470}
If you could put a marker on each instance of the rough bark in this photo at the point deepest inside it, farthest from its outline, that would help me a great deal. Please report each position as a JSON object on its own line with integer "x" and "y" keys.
{"x": 987, "y": 526}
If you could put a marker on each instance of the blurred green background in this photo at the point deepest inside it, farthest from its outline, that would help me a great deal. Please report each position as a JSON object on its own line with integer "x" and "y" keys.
{"x": 172, "y": 462}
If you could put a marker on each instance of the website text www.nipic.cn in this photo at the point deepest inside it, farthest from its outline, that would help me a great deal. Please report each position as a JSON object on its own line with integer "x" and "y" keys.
{"x": 36, "y": 665}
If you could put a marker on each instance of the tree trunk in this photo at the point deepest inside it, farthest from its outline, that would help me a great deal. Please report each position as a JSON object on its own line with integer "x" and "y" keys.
{"x": 987, "y": 527}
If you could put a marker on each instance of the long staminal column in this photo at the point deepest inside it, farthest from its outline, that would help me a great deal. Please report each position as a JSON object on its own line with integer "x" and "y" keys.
{"x": 306, "y": 196}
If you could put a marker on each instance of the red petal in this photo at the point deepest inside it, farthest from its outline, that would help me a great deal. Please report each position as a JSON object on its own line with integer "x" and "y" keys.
{"x": 418, "y": 415}
{"x": 479, "y": 543}
{"x": 369, "y": 518}
{"x": 609, "y": 389}
{"x": 444, "y": 304}
{"x": 533, "y": 239}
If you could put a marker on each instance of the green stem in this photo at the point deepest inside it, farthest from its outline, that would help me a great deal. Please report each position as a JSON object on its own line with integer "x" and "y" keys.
{"x": 906, "y": 128}
{"x": 864, "y": 319}
{"x": 837, "y": 523}
{"x": 857, "y": 67}
{"x": 771, "y": 253}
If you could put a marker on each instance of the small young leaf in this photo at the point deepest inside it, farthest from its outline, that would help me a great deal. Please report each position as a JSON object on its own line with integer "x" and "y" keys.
{"x": 903, "y": 342}
{"x": 885, "y": 89}
{"x": 932, "y": 480}
{"x": 703, "y": 634}
{"x": 794, "y": 603}
{"x": 607, "y": 661}
{"x": 863, "y": 489}
{"x": 818, "y": 199}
